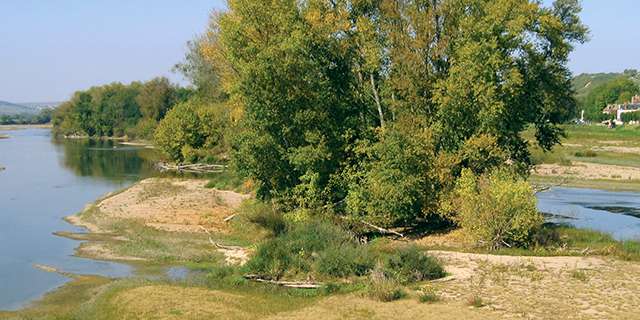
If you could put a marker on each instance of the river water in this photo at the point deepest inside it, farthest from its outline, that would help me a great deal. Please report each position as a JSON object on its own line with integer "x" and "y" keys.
{"x": 44, "y": 181}
{"x": 47, "y": 179}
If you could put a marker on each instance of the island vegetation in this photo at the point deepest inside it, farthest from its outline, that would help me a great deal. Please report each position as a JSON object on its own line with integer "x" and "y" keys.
{"x": 345, "y": 126}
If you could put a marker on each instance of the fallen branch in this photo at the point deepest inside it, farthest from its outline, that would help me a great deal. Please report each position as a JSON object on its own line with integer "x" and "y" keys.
{"x": 191, "y": 168}
{"x": 223, "y": 247}
{"x": 379, "y": 229}
{"x": 286, "y": 284}
{"x": 540, "y": 189}
{"x": 382, "y": 230}
{"x": 229, "y": 218}
{"x": 213, "y": 243}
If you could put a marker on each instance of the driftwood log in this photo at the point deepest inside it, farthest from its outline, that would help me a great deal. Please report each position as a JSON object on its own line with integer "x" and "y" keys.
{"x": 286, "y": 284}
{"x": 542, "y": 188}
{"x": 191, "y": 168}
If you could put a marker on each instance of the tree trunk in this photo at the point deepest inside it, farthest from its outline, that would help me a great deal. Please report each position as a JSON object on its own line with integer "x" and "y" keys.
{"x": 377, "y": 98}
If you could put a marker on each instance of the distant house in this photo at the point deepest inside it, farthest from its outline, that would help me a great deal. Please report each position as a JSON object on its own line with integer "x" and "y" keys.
{"x": 619, "y": 109}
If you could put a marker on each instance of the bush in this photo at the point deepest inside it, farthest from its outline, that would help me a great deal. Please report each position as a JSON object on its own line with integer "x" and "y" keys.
{"x": 496, "y": 209}
{"x": 395, "y": 185}
{"x": 428, "y": 296}
{"x": 266, "y": 217}
{"x": 311, "y": 247}
{"x": 324, "y": 250}
{"x": 193, "y": 131}
{"x": 345, "y": 260}
{"x": 586, "y": 154}
{"x": 409, "y": 264}
{"x": 386, "y": 291}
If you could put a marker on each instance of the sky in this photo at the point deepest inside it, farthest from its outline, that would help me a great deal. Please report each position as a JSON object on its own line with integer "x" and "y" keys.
{"x": 52, "y": 48}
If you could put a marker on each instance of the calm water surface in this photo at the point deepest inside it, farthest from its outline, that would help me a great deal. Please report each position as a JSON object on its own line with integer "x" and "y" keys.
{"x": 44, "y": 181}
{"x": 616, "y": 213}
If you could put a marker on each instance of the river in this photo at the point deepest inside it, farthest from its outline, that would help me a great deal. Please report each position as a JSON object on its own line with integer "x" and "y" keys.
{"x": 44, "y": 181}
{"x": 47, "y": 179}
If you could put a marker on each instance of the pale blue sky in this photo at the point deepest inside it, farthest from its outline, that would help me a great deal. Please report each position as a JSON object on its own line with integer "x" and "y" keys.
{"x": 51, "y": 48}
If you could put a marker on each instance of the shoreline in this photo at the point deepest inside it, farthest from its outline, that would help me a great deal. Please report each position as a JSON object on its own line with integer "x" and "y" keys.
{"x": 12, "y": 127}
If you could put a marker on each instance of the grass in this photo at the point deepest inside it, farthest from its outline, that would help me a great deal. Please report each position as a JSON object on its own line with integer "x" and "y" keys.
{"x": 62, "y": 303}
{"x": 475, "y": 301}
{"x": 386, "y": 291}
{"x": 580, "y": 275}
{"x": 561, "y": 240}
{"x": 229, "y": 180}
{"x": 603, "y": 184}
{"x": 583, "y": 144}
{"x": 428, "y": 296}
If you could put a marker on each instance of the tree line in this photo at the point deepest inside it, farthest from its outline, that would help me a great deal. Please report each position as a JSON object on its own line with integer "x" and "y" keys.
{"x": 117, "y": 110}
{"x": 42, "y": 117}
{"x": 618, "y": 90}
{"x": 372, "y": 110}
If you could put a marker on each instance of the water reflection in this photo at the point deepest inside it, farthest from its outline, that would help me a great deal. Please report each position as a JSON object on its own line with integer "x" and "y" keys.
{"x": 105, "y": 159}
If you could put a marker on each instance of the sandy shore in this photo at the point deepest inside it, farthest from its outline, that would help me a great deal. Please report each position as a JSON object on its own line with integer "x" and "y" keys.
{"x": 11, "y": 127}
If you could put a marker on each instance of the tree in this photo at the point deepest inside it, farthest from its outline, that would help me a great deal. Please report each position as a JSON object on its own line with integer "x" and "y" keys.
{"x": 202, "y": 75}
{"x": 194, "y": 131}
{"x": 315, "y": 78}
{"x": 118, "y": 110}
{"x": 619, "y": 90}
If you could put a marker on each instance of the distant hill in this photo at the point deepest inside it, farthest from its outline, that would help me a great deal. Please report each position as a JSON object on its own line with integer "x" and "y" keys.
{"x": 11, "y": 109}
{"x": 8, "y": 108}
{"x": 584, "y": 83}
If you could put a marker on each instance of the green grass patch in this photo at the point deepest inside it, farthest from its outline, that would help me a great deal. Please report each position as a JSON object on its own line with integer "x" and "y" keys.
{"x": 229, "y": 180}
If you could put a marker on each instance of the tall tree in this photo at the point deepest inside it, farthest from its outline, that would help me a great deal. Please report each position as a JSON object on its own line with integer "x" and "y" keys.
{"x": 331, "y": 89}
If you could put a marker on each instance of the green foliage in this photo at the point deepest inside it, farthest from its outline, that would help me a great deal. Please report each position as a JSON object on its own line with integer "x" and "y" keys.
{"x": 318, "y": 78}
{"x": 305, "y": 248}
{"x": 408, "y": 264}
{"x": 42, "y": 117}
{"x": 202, "y": 75}
{"x": 496, "y": 209}
{"x": 115, "y": 110}
{"x": 630, "y": 116}
{"x": 194, "y": 131}
{"x": 428, "y": 296}
{"x": 618, "y": 90}
{"x": 266, "y": 217}
{"x": 386, "y": 291}
{"x": 586, "y": 154}
{"x": 585, "y": 83}
{"x": 324, "y": 250}
{"x": 396, "y": 183}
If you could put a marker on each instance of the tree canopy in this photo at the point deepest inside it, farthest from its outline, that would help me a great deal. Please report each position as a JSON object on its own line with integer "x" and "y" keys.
{"x": 346, "y": 103}
{"x": 117, "y": 109}
{"x": 618, "y": 90}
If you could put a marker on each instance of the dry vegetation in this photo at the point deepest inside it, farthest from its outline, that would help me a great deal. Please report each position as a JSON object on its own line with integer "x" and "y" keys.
{"x": 132, "y": 225}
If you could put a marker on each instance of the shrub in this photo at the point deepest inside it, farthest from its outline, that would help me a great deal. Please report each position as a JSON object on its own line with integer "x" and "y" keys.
{"x": 428, "y": 296}
{"x": 395, "y": 185}
{"x": 309, "y": 247}
{"x": 496, "y": 209}
{"x": 193, "y": 131}
{"x": 324, "y": 250}
{"x": 265, "y": 216}
{"x": 408, "y": 264}
{"x": 386, "y": 291}
{"x": 586, "y": 154}
{"x": 345, "y": 260}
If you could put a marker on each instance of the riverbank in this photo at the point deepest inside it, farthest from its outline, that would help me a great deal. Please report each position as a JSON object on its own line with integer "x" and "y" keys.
{"x": 11, "y": 127}
{"x": 178, "y": 222}
{"x": 591, "y": 157}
